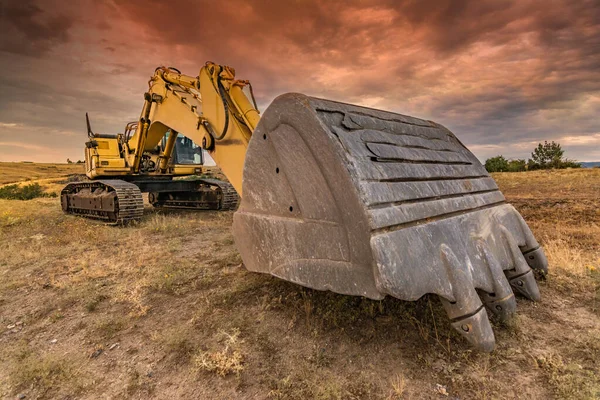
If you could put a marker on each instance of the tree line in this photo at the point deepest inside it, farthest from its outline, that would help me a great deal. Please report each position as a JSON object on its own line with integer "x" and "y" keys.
{"x": 544, "y": 156}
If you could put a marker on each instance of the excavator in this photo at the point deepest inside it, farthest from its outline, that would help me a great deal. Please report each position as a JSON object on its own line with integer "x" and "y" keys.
{"x": 144, "y": 158}
{"x": 334, "y": 196}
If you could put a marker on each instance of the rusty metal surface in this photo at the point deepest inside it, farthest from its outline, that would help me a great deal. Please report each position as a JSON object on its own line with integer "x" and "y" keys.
{"x": 372, "y": 203}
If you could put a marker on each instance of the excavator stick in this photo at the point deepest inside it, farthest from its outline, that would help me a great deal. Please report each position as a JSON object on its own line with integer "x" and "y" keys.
{"x": 371, "y": 203}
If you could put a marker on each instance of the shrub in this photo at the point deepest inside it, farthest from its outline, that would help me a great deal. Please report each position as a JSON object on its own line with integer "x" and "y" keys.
{"x": 27, "y": 192}
{"x": 496, "y": 164}
{"x": 567, "y": 163}
{"x": 517, "y": 165}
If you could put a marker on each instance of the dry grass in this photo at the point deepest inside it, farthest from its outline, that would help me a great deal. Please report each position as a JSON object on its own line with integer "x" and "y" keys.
{"x": 228, "y": 360}
{"x": 398, "y": 387}
{"x": 163, "y": 309}
{"x": 13, "y": 172}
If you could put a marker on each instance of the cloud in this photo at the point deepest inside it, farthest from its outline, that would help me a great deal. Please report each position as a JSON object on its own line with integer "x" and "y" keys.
{"x": 28, "y": 28}
{"x": 502, "y": 75}
{"x": 26, "y": 146}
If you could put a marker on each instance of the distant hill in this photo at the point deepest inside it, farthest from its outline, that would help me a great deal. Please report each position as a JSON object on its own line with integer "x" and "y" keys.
{"x": 590, "y": 164}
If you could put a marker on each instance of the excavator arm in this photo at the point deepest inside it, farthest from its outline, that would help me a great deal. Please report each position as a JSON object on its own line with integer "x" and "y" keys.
{"x": 210, "y": 109}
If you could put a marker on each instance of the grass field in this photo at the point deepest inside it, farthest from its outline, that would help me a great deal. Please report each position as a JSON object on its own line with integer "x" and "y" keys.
{"x": 13, "y": 172}
{"x": 164, "y": 309}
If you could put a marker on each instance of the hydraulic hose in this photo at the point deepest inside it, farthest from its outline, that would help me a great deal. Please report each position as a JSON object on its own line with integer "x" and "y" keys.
{"x": 225, "y": 107}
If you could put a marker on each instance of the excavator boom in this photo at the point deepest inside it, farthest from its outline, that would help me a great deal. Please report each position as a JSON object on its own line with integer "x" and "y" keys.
{"x": 349, "y": 199}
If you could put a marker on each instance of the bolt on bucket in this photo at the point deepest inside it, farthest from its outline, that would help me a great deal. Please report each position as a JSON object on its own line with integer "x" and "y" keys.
{"x": 371, "y": 203}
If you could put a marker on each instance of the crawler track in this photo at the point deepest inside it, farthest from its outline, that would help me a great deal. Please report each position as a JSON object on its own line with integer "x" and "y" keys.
{"x": 113, "y": 201}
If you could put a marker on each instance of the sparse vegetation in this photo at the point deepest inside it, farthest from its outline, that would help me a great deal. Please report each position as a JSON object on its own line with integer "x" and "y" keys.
{"x": 163, "y": 309}
{"x": 26, "y": 192}
{"x": 45, "y": 371}
{"x": 544, "y": 156}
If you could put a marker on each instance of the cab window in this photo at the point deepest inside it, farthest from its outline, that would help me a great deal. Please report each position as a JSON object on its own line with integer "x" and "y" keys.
{"x": 185, "y": 151}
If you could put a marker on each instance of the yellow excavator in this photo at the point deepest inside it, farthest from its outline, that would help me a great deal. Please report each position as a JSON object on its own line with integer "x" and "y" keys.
{"x": 334, "y": 196}
{"x": 151, "y": 152}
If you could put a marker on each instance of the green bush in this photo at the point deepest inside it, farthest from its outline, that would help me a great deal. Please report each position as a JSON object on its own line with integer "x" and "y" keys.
{"x": 567, "y": 163}
{"x": 517, "y": 165}
{"x": 547, "y": 155}
{"x": 27, "y": 192}
{"x": 496, "y": 164}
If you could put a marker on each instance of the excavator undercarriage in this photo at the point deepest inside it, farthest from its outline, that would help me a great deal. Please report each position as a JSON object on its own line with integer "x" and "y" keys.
{"x": 201, "y": 194}
{"x": 113, "y": 201}
{"x": 119, "y": 202}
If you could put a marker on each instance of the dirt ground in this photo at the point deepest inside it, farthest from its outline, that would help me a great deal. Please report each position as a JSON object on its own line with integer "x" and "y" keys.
{"x": 164, "y": 309}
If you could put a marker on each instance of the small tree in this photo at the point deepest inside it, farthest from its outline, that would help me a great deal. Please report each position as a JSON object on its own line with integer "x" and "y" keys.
{"x": 496, "y": 164}
{"x": 547, "y": 155}
{"x": 69, "y": 161}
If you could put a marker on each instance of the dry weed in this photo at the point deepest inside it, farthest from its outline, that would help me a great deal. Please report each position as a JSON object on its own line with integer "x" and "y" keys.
{"x": 179, "y": 342}
{"x": 568, "y": 379}
{"x": 229, "y": 360}
{"x": 398, "y": 387}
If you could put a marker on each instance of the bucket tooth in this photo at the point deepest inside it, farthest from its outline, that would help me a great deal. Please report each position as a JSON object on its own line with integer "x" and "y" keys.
{"x": 536, "y": 258}
{"x": 503, "y": 307}
{"x": 477, "y": 330}
{"x": 466, "y": 311}
{"x": 533, "y": 253}
{"x": 521, "y": 277}
{"x": 525, "y": 285}
{"x": 502, "y": 300}
{"x": 371, "y": 203}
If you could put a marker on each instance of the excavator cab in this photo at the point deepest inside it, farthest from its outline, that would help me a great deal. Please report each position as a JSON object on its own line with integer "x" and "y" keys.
{"x": 185, "y": 152}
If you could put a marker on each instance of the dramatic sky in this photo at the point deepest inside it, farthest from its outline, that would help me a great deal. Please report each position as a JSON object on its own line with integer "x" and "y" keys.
{"x": 502, "y": 75}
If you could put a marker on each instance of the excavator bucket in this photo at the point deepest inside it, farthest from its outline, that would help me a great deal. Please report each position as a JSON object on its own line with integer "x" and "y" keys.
{"x": 372, "y": 203}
